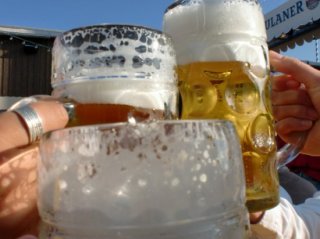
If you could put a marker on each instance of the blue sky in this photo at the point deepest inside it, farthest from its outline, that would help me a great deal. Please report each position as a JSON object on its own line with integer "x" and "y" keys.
{"x": 67, "y": 14}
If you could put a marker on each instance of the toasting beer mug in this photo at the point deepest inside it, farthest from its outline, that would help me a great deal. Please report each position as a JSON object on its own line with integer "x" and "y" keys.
{"x": 223, "y": 72}
{"x": 169, "y": 179}
{"x": 114, "y": 73}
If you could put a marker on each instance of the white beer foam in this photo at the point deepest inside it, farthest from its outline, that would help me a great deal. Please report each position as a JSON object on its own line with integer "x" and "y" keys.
{"x": 119, "y": 64}
{"x": 128, "y": 92}
{"x": 217, "y": 31}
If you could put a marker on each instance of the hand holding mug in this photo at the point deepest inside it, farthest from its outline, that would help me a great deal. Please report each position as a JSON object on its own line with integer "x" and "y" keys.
{"x": 18, "y": 161}
{"x": 296, "y": 101}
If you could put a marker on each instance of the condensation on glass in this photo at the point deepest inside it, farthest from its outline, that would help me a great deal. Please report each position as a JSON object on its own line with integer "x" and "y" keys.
{"x": 163, "y": 179}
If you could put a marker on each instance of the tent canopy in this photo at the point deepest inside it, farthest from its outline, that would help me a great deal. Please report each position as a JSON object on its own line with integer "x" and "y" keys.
{"x": 293, "y": 23}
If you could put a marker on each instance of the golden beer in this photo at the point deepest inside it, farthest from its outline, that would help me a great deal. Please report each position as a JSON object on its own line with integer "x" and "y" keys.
{"x": 123, "y": 101}
{"x": 212, "y": 90}
{"x": 87, "y": 114}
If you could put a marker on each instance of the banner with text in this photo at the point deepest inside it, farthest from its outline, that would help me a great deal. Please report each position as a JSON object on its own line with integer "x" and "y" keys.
{"x": 291, "y": 15}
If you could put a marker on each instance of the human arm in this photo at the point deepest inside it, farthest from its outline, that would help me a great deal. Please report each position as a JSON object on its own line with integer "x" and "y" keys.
{"x": 18, "y": 161}
{"x": 13, "y": 132}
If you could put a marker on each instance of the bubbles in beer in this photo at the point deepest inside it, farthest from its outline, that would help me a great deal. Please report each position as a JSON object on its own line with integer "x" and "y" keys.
{"x": 243, "y": 98}
{"x": 261, "y": 134}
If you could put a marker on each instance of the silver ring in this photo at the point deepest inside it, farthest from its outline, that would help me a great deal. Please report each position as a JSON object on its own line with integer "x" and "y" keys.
{"x": 32, "y": 121}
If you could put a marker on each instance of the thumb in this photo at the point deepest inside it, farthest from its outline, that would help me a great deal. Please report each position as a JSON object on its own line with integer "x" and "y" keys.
{"x": 13, "y": 130}
{"x": 300, "y": 71}
{"x": 52, "y": 113}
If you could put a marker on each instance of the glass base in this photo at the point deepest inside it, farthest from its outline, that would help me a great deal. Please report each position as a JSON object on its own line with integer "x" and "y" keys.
{"x": 262, "y": 204}
{"x": 231, "y": 226}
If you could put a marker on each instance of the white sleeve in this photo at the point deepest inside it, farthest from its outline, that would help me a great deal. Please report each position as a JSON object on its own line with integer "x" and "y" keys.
{"x": 309, "y": 212}
{"x": 286, "y": 221}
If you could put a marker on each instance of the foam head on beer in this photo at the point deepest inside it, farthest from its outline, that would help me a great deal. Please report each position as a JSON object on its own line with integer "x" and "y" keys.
{"x": 222, "y": 22}
{"x": 121, "y": 64}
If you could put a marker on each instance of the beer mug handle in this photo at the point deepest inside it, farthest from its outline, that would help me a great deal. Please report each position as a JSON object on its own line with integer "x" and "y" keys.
{"x": 289, "y": 152}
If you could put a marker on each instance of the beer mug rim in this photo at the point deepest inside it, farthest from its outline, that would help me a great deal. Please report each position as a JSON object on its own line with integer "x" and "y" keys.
{"x": 215, "y": 122}
{"x": 173, "y": 5}
{"x": 177, "y": 3}
{"x": 100, "y": 52}
{"x": 117, "y": 25}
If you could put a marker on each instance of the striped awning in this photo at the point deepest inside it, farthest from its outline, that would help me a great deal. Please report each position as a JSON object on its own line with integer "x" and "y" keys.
{"x": 293, "y": 23}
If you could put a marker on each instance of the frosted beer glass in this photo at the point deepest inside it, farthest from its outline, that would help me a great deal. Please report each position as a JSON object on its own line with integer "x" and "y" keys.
{"x": 115, "y": 73}
{"x": 224, "y": 73}
{"x": 150, "y": 180}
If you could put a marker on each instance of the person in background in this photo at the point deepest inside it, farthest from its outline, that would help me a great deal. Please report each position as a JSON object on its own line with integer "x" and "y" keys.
{"x": 18, "y": 159}
{"x": 296, "y": 108}
{"x": 302, "y": 172}
{"x": 308, "y": 167}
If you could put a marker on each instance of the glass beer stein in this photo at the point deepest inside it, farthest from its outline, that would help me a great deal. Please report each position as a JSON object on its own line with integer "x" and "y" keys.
{"x": 223, "y": 71}
{"x": 166, "y": 179}
{"x": 114, "y": 73}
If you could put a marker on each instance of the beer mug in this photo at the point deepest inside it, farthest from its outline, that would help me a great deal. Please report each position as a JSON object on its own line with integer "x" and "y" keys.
{"x": 114, "y": 73}
{"x": 223, "y": 71}
{"x": 166, "y": 179}
{"x": 102, "y": 74}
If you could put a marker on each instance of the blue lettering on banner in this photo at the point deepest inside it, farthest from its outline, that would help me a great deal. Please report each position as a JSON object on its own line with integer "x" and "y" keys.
{"x": 288, "y": 13}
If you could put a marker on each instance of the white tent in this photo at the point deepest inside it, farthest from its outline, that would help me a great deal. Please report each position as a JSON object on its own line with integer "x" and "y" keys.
{"x": 293, "y": 23}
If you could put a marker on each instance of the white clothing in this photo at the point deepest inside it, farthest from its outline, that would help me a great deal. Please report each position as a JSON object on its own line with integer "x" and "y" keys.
{"x": 288, "y": 221}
